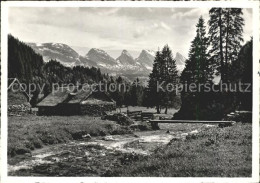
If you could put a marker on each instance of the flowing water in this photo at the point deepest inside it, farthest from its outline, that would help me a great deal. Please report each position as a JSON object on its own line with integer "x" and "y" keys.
{"x": 96, "y": 156}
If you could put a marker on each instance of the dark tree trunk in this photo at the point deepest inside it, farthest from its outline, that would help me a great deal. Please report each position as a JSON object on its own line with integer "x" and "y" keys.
{"x": 166, "y": 110}
{"x": 221, "y": 46}
{"x": 226, "y": 54}
{"x": 158, "y": 109}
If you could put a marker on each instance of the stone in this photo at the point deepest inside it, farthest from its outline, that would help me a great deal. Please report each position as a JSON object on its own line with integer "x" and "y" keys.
{"x": 88, "y": 136}
{"x": 108, "y": 138}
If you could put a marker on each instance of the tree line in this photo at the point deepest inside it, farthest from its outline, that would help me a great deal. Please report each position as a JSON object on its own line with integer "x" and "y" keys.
{"x": 218, "y": 52}
{"x": 29, "y": 67}
{"x": 215, "y": 53}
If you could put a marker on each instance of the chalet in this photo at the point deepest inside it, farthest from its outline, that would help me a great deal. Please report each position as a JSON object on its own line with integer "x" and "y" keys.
{"x": 18, "y": 98}
{"x": 73, "y": 101}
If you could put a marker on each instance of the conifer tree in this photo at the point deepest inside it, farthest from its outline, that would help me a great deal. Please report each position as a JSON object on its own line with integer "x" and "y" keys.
{"x": 198, "y": 66}
{"x": 242, "y": 72}
{"x": 216, "y": 32}
{"x": 164, "y": 73}
{"x": 225, "y": 30}
{"x": 198, "y": 70}
{"x": 169, "y": 76}
{"x": 233, "y": 36}
{"x": 153, "y": 95}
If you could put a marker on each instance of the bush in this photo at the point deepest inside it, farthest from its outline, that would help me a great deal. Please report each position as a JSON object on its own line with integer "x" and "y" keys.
{"x": 119, "y": 118}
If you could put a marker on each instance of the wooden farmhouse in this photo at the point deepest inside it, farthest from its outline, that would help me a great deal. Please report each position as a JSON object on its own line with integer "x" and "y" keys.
{"x": 72, "y": 101}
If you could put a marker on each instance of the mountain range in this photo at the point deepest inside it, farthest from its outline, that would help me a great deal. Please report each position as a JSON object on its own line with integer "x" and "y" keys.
{"x": 125, "y": 64}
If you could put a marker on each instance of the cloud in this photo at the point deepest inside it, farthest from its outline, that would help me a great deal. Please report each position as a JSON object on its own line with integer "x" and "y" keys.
{"x": 144, "y": 13}
{"x": 99, "y": 10}
{"x": 115, "y": 28}
{"x": 248, "y": 31}
{"x": 188, "y": 14}
{"x": 164, "y": 26}
{"x": 160, "y": 27}
{"x": 139, "y": 32}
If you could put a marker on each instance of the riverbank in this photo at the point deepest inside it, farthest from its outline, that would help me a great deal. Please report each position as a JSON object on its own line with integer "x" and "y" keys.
{"x": 176, "y": 150}
{"x": 30, "y": 132}
{"x": 97, "y": 156}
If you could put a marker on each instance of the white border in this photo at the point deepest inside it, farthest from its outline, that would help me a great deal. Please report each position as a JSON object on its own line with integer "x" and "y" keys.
{"x": 180, "y": 4}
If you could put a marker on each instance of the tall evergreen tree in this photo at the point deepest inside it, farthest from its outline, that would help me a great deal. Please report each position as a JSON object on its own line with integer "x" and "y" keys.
{"x": 198, "y": 66}
{"x": 152, "y": 84}
{"x": 233, "y": 36}
{"x": 225, "y": 30}
{"x": 198, "y": 70}
{"x": 23, "y": 62}
{"x": 216, "y": 32}
{"x": 242, "y": 72}
{"x": 164, "y": 73}
{"x": 134, "y": 96}
{"x": 169, "y": 75}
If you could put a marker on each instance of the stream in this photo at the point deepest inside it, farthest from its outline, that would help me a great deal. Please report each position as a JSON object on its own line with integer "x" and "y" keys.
{"x": 98, "y": 155}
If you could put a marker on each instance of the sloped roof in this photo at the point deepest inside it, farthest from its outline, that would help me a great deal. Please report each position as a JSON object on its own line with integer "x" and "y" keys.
{"x": 12, "y": 81}
{"x": 80, "y": 95}
{"x": 92, "y": 98}
{"x": 55, "y": 97}
{"x": 68, "y": 95}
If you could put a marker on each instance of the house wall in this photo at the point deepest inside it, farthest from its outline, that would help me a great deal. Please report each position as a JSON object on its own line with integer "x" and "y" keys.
{"x": 94, "y": 105}
{"x": 60, "y": 109}
{"x": 96, "y": 109}
{"x": 46, "y": 111}
{"x": 68, "y": 109}
{"x": 76, "y": 109}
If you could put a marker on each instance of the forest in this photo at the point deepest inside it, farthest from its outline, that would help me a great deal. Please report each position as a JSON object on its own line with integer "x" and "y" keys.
{"x": 216, "y": 50}
{"x": 29, "y": 67}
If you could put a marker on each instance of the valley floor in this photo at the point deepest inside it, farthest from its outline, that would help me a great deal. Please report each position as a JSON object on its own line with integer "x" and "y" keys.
{"x": 52, "y": 146}
{"x": 214, "y": 152}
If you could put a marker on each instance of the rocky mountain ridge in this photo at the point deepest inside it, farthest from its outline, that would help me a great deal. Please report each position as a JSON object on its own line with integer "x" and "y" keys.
{"x": 125, "y": 64}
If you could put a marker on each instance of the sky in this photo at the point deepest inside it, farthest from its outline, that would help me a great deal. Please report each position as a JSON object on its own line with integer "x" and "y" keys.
{"x": 112, "y": 29}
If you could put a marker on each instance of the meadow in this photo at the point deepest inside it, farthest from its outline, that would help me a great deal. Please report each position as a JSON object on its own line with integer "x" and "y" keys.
{"x": 214, "y": 152}
{"x": 26, "y": 133}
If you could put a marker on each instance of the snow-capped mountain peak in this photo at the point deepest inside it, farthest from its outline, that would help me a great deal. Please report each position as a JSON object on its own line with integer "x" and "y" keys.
{"x": 125, "y": 64}
{"x": 151, "y": 52}
{"x": 180, "y": 60}
{"x": 125, "y": 52}
{"x": 60, "y": 52}
{"x": 100, "y": 57}
{"x": 125, "y": 58}
{"x": 146, "y": 59}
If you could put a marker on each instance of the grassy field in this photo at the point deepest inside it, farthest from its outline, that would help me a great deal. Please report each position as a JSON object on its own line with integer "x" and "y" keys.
{"x": 215, "y": 152}
{"x": 25, "y": 133}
